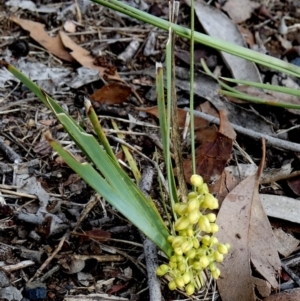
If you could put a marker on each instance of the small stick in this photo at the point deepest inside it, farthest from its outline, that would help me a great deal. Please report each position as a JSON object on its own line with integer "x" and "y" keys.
{"x": 45, "y": 264}
{"x": 101, "y": 258}
{"x": 10, "y": 153}
{"x": 21, "y": 265}
{"x": 150, "y": 250}
{"x": 283, "y": 144}
{"x": 49, "y": 273}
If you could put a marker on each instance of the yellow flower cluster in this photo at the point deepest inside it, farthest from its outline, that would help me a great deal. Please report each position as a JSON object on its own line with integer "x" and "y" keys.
{"x": 195, "y": 246}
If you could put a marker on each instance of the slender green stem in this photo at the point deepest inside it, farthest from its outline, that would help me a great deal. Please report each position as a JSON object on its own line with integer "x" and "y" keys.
{"x": 260, "y": 101}
{"x": 193, "y": 151}
{"x": 222, "y": 84}
{"x": 98, "y": 129}
{"x": 215, "y": 43}
{"x": 270, "y": 87}
{"x": 169, "y": 167}
{"x": 162, "y": 195}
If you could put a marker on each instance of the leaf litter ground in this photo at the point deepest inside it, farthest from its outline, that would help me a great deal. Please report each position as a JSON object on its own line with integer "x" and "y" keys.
{"x": 42, "y": 199}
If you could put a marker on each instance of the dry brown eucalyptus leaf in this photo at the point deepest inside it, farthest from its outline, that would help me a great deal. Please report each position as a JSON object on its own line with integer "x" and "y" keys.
{"x": 113, "y": 93}
{"x": 244, "y": 224}
{"x": 38, "y": 33}
{"x": 84, "y": 57}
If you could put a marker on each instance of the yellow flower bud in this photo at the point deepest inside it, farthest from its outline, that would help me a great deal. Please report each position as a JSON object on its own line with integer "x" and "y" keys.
{"x": 196, "y": 180}
{"x": 228, "y": 246}
{"x": 180, "y": 258}
{"x": 180, "y": 208}
{"x": 194, "y": 217}
{"x": 197, "y": 266}
{"x": 186, "y": 277}
{"x": 211, "y": 217}
{"x": 171, "y": 238}
{"x": 196, "y": 243}
{"x": 204, "y": 261}
{"x": 192, "y": 195}
{"x": 203, "y": 189}
{"x": 162, "y": 270}
{"x": 215, "y": 273}
{"x": 159, "y": 272}
{"x": 206, "y": 240}
{"x": 204, "y": 224}
{"x": 177, "y": 241}
{"x": 190, "y": 289}
{"x": 218, "y": 256}
{"x": 179, "y": 282}
{"x": 214, "y": 228}
{"x": 193, "y": 205}
{"x": 191, "y": 254}
{"x": 183, "y": 233}
{"x": 178, "y": 251}
{"x": 186, "y": 246}
{"x": 200, "y": 252}
{"x": 173, "y": 258}
{"x": 212, "y": 266}
{"x": 172, "y": 265}
{"x": 181, "y": 267}
{"x": 210, "y": 202}
{"x": 189, "y": 232}
{"x": 182, "y": 223}
{"x": 213, "y": 240}
{"x": 222, "y": 249}
{"x": 172, "y": 285}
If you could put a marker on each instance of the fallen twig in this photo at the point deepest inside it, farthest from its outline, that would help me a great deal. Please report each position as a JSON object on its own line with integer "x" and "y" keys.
{"x": 45, "y": 264}
{"x": 10, "y": 153}
{"x": 272, "y": 141}
{"x": 21, "y": 265}
{"x": 150, "y": 250}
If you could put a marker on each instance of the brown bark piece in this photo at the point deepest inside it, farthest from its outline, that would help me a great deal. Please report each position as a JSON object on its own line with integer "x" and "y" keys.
{"x": 38, "y": 33}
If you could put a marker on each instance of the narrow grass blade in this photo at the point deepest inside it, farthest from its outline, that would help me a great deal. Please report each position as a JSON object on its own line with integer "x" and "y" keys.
{"x": 215, "y": 43}
{"x": 165, "y": 132}
{"x": 192, "y": 57}
{"x": 221, "y": 83}
{"x": 129, "y": 157}
{"x": 98, "y": 129}
{"x": 260, "y": 100}
{"x": 270, "y": 87}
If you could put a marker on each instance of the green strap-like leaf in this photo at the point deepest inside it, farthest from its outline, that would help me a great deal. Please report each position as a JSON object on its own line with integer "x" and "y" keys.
{"x": 147, "y": 223}
{"x": 116, "y": 186}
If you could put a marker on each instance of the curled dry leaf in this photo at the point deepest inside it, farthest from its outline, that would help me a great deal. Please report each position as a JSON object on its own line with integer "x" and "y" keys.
{"x": 214, "y": 151}
{"x": 244, "y": 224}
{"x": 113, "y": 93}
{"x": 215, "y": 146}
{"x": 38, "y": 33}
{"x": 84, "y": 57}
